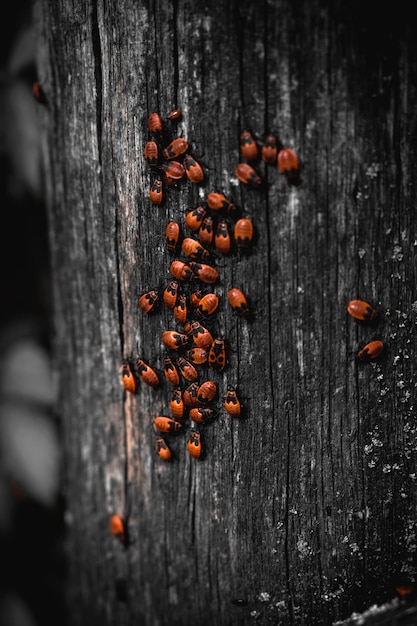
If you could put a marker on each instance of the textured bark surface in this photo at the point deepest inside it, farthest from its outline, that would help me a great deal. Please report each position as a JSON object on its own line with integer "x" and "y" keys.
{"x": 303, "y": 511}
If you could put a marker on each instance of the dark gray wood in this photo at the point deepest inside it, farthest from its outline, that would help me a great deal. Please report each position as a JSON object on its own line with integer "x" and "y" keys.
{"x": 303, "y": 511}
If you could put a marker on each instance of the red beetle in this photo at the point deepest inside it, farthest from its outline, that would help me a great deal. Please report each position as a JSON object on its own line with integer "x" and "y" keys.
{"x": 175, "y": 114}
{"x": 194, "y": 218}
{"x": 361, "y": 310}
{"x": 173, "y": 169}
{"x": 371, "y": 351}
{"x": 148, "y": 301}
{"x": 176, "y": 404}
{"x": 270, "y": 149}
{"x": 288, "y": 164}
{"x": 171, "y": 294}
{"x": 196, "y": 355}
{"x": 156, "y": 192}
{"x": 151, "y": 153}
{"x": 205, "y": 273}
{"x": 217, "y": 355}
{"x": 217, "y": 201}
{"x": 187, "y": 369}
{"x": 172, "y": 235}
{"x": 155, "y": 124}
{"x": 243, "y": 233}
{"x": 181, "y": 270}
{"x": 238, "y": 302}
{"x": 201, "y": 336}
{"x": 174, "y": 340}
{"x": 193, "y": 249}
{"x": 232, "y": 403}
{"x": 181, "y": 309}
{"x": 190, "y": 394}
{"x": 146, "y": 373}
{"x": 162, "y": 449}
{"x": 193, "y": 169}
{"x": 176, "y": 148}
{"x": 206, "y": 232}
{"x": 117, "y": 528}
{"x": 208, "y": 305}
{"x": 128, "y": 377}
{"x": 201, "y": 414}
{"x": 194, "y": 444}
{"x": 38, "y": 92}
{"x": 171, "y": 372}
{"x": 222, "y": 239}
{"x": 248, "y": 146}
{"x": 247, "y": 175}
{"x": 207, "y": 391}
{"x": 166, "y": 424}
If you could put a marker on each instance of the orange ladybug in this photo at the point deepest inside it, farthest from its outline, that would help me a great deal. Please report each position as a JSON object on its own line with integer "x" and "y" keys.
{"x": 248, "y": 146}
{"x": 176, "y": 404}
{"x": 146, "y": 373}
{"x": 177, "y": 147}
{"x": 201, "y": 336}
{"x": 270, "y": 149}
{"x": 180, "y": 309}
{"x": 190, "y": 394}
{"x": 171, "y": 372}
{"x": 193, "y": 249}
{"x": 204, "y": 272}
{"x": 151, "y": 153}
{"x": 174, "y": 340}
{"x": 162, "y": 449}
{"x": 155, "y": 124}
{"x": 128, "y": 377}
{"x": 172, "y": 235}
{"x": 155, "y": 192}
{"x": 288, "y": 165}
{"x": 371, "y": 351}
{"x": 201, "y": 414}
{"x": 206, "y": 232}
{"x": 243, "y": 233}
{"x": 206, "y": 391}
{"x": 208, "y": 305}
{"x": 175, "y": 114}
{"x": 217, "y": 201}
{"x": 193, "y": 169}
{"x": 222, "y": 239}
{"x": 361, "y": 310}
{"x": 247, "y": 175}
{"x": 187, "y": 369}
{"x": 117, "y": 528}
{"x": 171, "y": 294}
{"x": 217, "y": 355}
{"x": 166, "y": 424}
{"x": 148, "y": 301}
{"x": 196, "y": 355}
{"x": 173, "y": 169}
{"x": 194, "y": 218}
{"x": 238, "y": 302}
{"x": 232, "y": 403}
{"x": 181, "y": 270}
{"x": 194, "y": 444}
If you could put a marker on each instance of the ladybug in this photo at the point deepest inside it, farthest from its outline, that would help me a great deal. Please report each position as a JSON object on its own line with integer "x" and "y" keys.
{"x": 231, "y": 403}
{"x": 206, "y": 391}
{"x": 204, "y": 272}
{"x": 196, "y": 297}
{"x": 201, "y": 414}
{"x": 175, "y": 114}
{"x": 176, "y": 404}
{"x": 206, "y": 232}
{"x": 171, "y": 294}
{"x": 208, "y": 304}
{"x": 194, "y": 218}
{"x": 147, "y": 374}
{"x": 166, "y": 424}
{"x": 38, "y": 92}
{"x": 172, "y": 235}
{"x": 217, "y": 201}
{"x": 194, "y": 444}
{"x": 270, "y": 149}
{"x": 201, "y": 336}
{"x": 247, "y": 175}
{"x": 243, "y": 233}
{"x": 181, "y": 270}
{"x": 128, "y": 378}
{"x": 162, "y": 449}
{"x": 148, "y": 301}
{"x": 222, "y": 237}
{"x": 117, "y": 528}
{"x": 180, "y": 309}
{"x": 372, "y": 350}
{"x": 155, "y": 124}
{"x": 248, "y": 146}
{"x": 361, "y": 310}
{"x": 238, "y": 302}
{"x": 288, "y": 165}
{"x": 155, "y": 192}
{"x": 193, "y": 169}
{"x": 187, "y": 369}
{"x": 190, "y": 394}
{"x": 177, "y": 147}
{"x": 196, "y": 355}
{"x": 173, "y": 169}
{"x": 217, "y": 355}
{"x": 151, "y": 153}
{"x": 171, "y": 372}
{"x": 193, "y": 249}
{"x": 174, "y": 340}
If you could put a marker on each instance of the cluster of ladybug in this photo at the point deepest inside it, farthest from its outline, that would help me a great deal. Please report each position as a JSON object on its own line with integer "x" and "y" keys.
{"x": 364, "y": 312}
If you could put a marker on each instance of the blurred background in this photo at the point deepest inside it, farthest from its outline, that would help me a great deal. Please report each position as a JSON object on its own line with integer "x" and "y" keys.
{"x": 31, "y": 504}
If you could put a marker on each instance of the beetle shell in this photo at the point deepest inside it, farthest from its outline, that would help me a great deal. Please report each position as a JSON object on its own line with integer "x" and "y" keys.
{"x": 38, "y": 92}
{"x": 171, "y": 294}
{"x": 196, "y": 297}
{"x": 177, "y": 147}
{"x": 217, "y": 201}
{"x": 167, "y": 424}
{"x": 197, "y": 355}
{"x": 171, "y": 372}
{"x": 194, "y": 444}
{"x": 193, "y": 249}
{"x": 204, "y": 272}
{"x": 117, "y": 528}
{"x": 193, "y": 169}
{"x": 128, "y": 377}
{"x": 248, "y": 146}
{"x": 238, "y": 302}
{"x": 190, "y": 394}
{"x": 270, "y": 149}
{"x": 247, "y": 175}
{"x": 217, "y": 355}
{"x": 201, "y": 414}
{"x": 201, "y": 336}
{"x": 155, "y": 124}
{"x": 207, "y": 391}
{"x": 231, "y": 403}
{"x": 222, "y": 237}
{"x": 174, "y": 340}
{"x": 194, "y": 218}
{"x": 288, "y": 164}
{"x": 187, "y": 369}
{"x": 361, "y": 310}
{"x": 147, "y": 301}
{"x": 173, "y": 169}
{"x": 180, "y": 309}
{"x": 156, "y": 192}
{"x": 162, "y": 449}
{"x": 206, "y": 232}
{"x": 172, "y": 235}
{"x": 208, "y": 304}
{"x": 151, "y": 153}
{"x": 181, "y": 270}
{"x": 147, "y": 373}
{"x": 243, "y": 233}
{"x": 371, "y": 351}
{"x": 176, "y": 404}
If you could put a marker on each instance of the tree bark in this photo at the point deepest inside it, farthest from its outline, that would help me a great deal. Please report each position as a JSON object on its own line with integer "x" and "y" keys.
{"x": 303, "y": 510}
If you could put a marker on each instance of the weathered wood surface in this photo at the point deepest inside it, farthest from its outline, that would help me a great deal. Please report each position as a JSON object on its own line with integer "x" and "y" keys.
{"x": 304, "y": 511}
